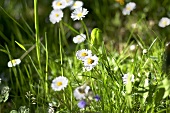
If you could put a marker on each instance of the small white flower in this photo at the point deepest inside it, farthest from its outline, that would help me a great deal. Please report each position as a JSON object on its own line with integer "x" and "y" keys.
{"x": 81, "y": 92}
{"x": 79, "y": 38}
{"x": 56, "y": 16}
{"x": 132, "y": 47}
{"x": 125, "y": 78}
{"x": 164, "y": 22}
{"x": 59, "y": 83}
{"x": 69, "y": 2}
{"x": 77, "y": 4}
{"x": 82, "y": 54}
{"x": 59, "y": 4}
{"x": 79, "y": 13}
{"x": 90, "y": 62}
{"x": 14, "y": 62}
{"x": 145, "y": 51}
{"x": 128, "y": 8}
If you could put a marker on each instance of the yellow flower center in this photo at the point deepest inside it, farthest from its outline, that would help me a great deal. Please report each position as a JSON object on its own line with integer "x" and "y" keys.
{"x": 79, "y": 14}
{"x": 59, "y": 4}
{"x": 59, "y": 83}
{"x": 128, "y": 8}
{"x": 84, "y": 54}
{"x": 164, "y": 22}
{"x": 90, "y": 61}
{"x": 57, "y": 15}
{"x": 75, "y": 4}
{"x": 13, "y": 61}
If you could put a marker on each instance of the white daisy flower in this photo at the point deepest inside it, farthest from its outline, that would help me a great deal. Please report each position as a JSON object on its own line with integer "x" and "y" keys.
{"x": 59, "y": 83}
{"x": 59, "y": 4}
{"x": 125, "y": 78}
{"x": 56, "y": 16}
{"x": 14, "y": 62}
{"x": 69, "y": 2}
{"x": 79, "y": 38}
{"x": 81, "y": 92}
{"x": 128, "y": 8}
{"x": 164, "y": 22}
{"x": 82, "y": 54}
{"x": 79, "y": 13}
{"x": 77, "y": 4}
{"x": 90, "y": 62}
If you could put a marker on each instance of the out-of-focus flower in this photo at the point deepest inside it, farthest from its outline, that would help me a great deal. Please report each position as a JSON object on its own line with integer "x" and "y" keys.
{"x": 79, "y": 13}
{"x": 125, "y": 78}
{"x": 82, "y": 54}
{"x": 121, "y": 2}
{"x": 129, "y": 7}
{"x": 97, "y": 98}
{"x": 144, "y": 51}
{"x": 79, "y": 38}
{"x": 59, "y": 4}
{"x": 90, "y": 62}
{"x": 164, "y": 22}
{"x": 69, "y": 2}
{"x": 59, "y": 83}
{"x": 132, "y": 47}
{"x": 56, "y": 16}
{"x": 81, "y": 92}
{"x": 82, "y": 104}
{"x": 77, "y": 4}
{"x": 14, "y": 62}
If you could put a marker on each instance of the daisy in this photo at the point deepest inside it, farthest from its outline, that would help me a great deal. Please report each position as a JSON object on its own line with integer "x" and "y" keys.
{"x": 81, "y": 92}
{"x": 125, "y": 78}
{"x": 69, "y": 2}
{"x": 77, "y": 4}
{"x": 129, "y": 7}
{"x": 59, "y": 83}
{"x": 82, "y": 104}
{"x": 14, "y": 62}
{"x": 79, "y": 38}
{"x": 82, "y": 54}
{"x": 90, "y": 61}
{"x": 56, "y": 16}
{"x": 59, "y": 4}
{"x": 164, "y": 22}
{"x": 79, "y": 13}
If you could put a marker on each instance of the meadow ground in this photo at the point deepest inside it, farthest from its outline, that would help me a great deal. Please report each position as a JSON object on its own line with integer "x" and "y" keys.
{"x": 89, "y": 56}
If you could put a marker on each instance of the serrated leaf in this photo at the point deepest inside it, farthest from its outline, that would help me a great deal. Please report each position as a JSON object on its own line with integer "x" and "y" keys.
{"x": 21, "y": 46}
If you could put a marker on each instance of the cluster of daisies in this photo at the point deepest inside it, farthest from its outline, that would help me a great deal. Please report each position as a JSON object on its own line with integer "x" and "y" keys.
{"x": 89, "y": 60}
{"x": 57, "y": 14}
{"x": 83, "y": 93}
{"x": 164, "y": 21}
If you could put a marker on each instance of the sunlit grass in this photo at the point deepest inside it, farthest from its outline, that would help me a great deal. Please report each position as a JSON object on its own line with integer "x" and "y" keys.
{"x": 129, "y": 73}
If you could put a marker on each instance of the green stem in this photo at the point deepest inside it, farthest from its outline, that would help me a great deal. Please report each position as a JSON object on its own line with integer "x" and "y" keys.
{"x": 37, "y": 31}
{"x": 46, "y": 68}
{"x": 61, "y": 57}
{"x": 87, "y": 33}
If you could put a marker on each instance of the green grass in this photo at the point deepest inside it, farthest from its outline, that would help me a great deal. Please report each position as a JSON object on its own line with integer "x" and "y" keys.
{"x": 47, "y": 51}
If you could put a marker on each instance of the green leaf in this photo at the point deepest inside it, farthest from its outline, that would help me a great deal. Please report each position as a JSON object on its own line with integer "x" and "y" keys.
{"x": 21, "y": 46}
